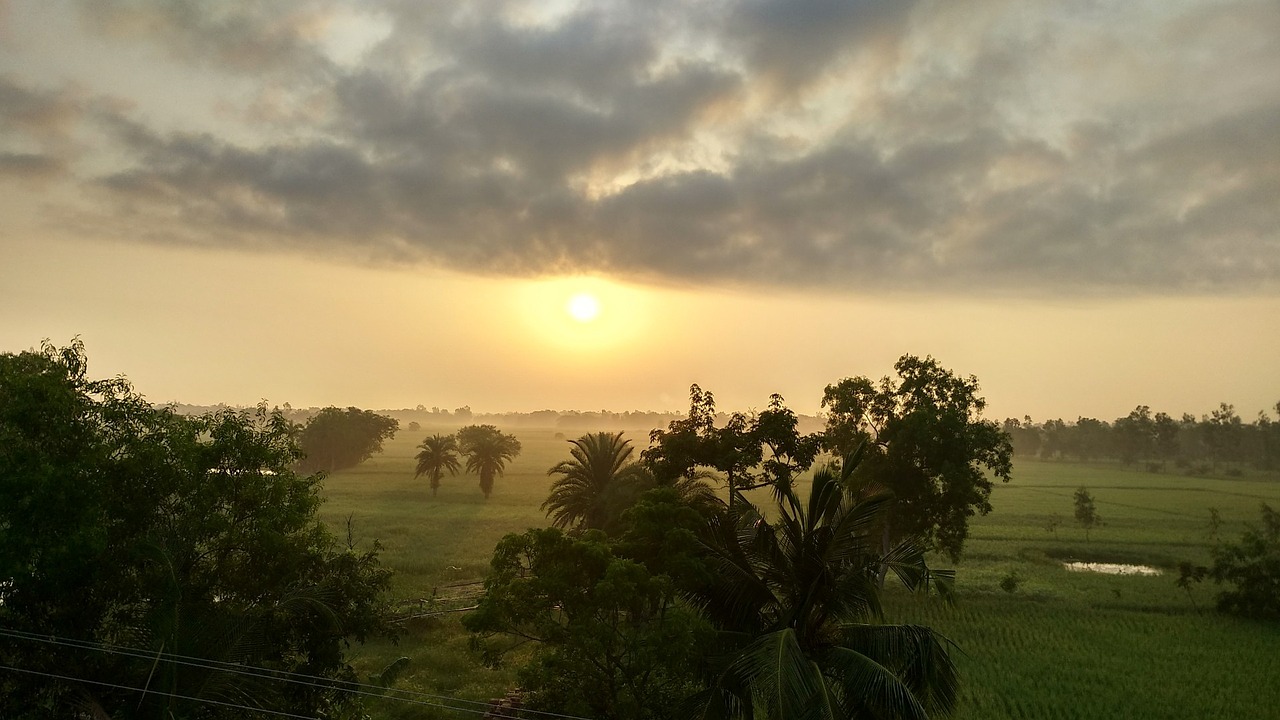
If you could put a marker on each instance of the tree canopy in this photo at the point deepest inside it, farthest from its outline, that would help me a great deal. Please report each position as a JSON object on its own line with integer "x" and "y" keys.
{"x": 749, "y": 451}
{"x": 926, "y": 442}
{"x": 138, "y": 527}
{"x": 487, "y": 450}
{"x": 437, "y": 454}
{"x": 596, "y": 484}
{"x": 797, "y": 596}
{"x": 334, "y": 439}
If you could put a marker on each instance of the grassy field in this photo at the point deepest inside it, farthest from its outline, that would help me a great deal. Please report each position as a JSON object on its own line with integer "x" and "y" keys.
{"x": 1060, "y": 645}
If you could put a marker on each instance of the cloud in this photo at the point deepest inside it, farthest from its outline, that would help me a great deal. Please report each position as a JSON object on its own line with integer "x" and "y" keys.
{"x": 868, "y": 146}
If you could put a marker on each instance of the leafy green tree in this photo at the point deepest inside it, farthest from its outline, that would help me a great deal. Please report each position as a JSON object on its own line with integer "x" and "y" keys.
{"x": 926, "y": 442}
{"x": 125, "y": 524}
{"x": 797, "y": 597}
{"x": 437, "y": 454}
{"x": 611, "y": 639}
{"x": 335, "y": 439}
{"x": 487, "y": 450}
{"x": 1085, "y": 510}
{"x": 596, "y": 485}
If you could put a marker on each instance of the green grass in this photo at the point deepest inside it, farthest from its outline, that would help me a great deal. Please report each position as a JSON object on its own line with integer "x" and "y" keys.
{"x": 1062, "y": 645}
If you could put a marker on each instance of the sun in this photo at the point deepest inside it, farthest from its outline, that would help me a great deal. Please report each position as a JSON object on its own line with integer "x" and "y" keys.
{"x": 583, "y": 307}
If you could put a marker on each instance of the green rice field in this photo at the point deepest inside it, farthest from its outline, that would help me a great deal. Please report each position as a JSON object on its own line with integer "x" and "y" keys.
{"x": 1035, "y": 639}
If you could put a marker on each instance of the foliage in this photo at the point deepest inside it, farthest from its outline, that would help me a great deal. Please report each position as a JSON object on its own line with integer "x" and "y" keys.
{"x": 612, "y": 642}
{"x": 596, "y": 485}
{"x": 1063, "y": 646}
{"x": 135, "y": 526}
{"x": 437, "y": 454}
{"x": 663, "y": 530}
{"x": 750, "y": 451}
{"x": 488, "y": 450}
{"x": 1085, "y": 510}
{"x": 335, "y": 439}
{"x": 926, "y": 442}
{"x": 1251, "y": 565}
{"x": 798, "y": 600}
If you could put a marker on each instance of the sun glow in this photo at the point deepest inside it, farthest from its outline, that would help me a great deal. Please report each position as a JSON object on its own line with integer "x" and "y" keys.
{"x": 589, "y": 315}
{"x": 583, "y": 307}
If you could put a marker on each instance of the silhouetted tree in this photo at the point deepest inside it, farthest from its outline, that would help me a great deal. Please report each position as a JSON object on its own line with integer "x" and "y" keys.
{"x": 487, "y": 450}
{"x": 926, "y": 442}
{"x": 596, "y": 485}
{"x": 797, "y": 594}
{"x": 335, "y": 439}
{"x": 437, "y": 454}
{"x": 750, "y": 451}
{"x": 192, "y": 535}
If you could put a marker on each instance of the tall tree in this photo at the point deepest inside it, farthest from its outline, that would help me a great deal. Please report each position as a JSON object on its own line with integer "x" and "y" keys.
{"x": 125, "y": 524}
{"x": 797, "y": 595}
{"x": 435, "y": 455}
{"x": 926, "y": 442}
{"x": 335, "y": 439}
{"x": 487, "y": 450}
{"x": 596, "y": 485}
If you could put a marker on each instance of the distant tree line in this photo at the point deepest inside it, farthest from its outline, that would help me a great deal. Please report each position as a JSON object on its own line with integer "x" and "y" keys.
{"x": 1219, "y": 438}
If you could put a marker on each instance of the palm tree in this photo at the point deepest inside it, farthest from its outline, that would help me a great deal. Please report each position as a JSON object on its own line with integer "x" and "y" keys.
{"x": 438, "y": 453}
{"x": 596, "y": 485}
{"x": 487, "y": 450}
{"x": 798, "y": 601}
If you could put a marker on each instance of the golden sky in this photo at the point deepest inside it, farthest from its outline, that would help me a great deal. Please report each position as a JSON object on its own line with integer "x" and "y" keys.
{"x": 385, "y": 204}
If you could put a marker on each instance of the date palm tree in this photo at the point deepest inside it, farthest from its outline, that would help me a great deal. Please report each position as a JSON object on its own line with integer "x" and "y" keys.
{"x": 596, "y": 485}
{"x": 488, "y": 450}
{"x": 437, "y": 454}
{"x": 797, "y": 598}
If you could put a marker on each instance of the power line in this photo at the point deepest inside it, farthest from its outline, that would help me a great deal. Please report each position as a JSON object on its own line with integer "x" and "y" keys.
{"x": 179, "y": 696}
{"x": 348, "y": 686}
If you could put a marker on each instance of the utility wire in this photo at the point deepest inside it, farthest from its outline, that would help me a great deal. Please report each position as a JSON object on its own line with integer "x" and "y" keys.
{"x": 210, "y": 701}
{"x": 356, "y": 688}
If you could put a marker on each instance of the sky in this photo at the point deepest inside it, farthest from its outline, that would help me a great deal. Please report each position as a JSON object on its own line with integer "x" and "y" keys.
{"x": 389, "y": 203}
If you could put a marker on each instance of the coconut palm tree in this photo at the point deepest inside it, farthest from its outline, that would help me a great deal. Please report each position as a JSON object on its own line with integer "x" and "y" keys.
{"x": 797, "y": 597}
{"x": 597, "y": 484}
{"x": 487, "y": 450}
{"x": 438, "y": 453}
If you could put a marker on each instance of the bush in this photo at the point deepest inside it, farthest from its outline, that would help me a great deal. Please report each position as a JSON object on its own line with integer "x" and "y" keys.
{"x": 1009, "y": 583}
{"x": 1253, "y": 566}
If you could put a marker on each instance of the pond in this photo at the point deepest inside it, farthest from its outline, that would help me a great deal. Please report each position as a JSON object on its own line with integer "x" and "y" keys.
{"x": 1111, "y": 568}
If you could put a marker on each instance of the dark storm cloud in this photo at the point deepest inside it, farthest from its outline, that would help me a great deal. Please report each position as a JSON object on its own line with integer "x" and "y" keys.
{"x": 654, "y": 140}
